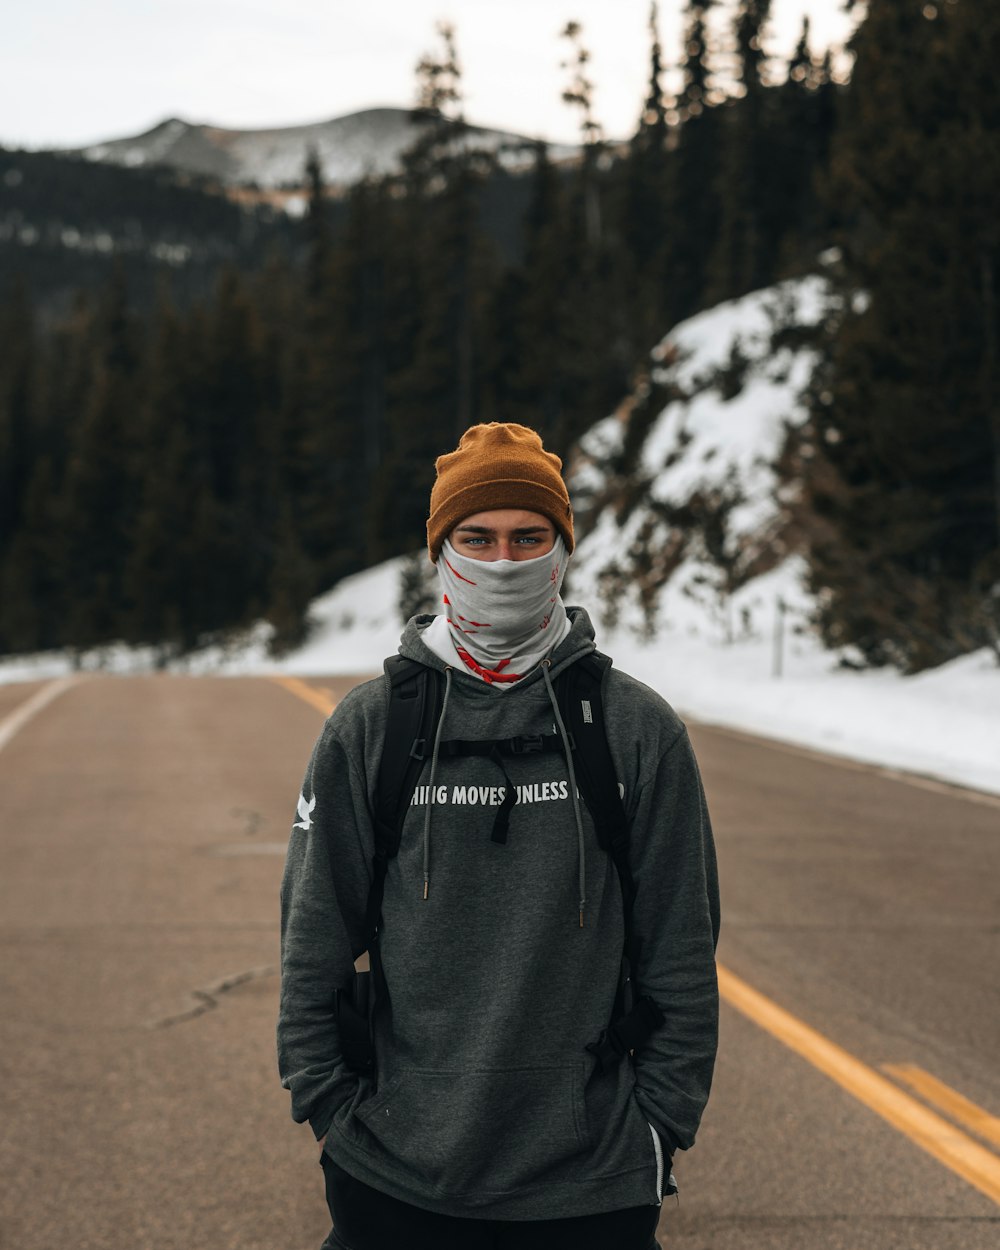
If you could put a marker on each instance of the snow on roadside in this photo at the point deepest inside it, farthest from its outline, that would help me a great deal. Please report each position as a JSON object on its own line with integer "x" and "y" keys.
{"x": 943, "y": 723}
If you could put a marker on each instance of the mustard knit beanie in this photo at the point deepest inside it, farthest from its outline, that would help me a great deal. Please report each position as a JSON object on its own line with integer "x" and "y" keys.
{"x": 500, "y": 465}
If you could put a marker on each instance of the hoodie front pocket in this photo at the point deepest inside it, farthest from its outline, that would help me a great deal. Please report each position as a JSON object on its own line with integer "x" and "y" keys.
{"x": 483, "y": 1130}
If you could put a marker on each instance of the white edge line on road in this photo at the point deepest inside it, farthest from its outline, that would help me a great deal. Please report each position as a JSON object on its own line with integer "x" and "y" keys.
{"x": 13, "y": 723}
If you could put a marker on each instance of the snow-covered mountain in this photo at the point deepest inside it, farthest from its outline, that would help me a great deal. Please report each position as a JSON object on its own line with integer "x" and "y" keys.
{"x": 368, "y": 142}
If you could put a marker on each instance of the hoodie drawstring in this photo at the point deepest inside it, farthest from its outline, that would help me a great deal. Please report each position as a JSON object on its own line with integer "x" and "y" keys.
{"x": 581, "y": 847}
{"x": 430, "y": 796}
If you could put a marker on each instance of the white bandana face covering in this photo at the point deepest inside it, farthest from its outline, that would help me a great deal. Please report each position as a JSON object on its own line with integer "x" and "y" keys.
{"x": 503, "y": 615}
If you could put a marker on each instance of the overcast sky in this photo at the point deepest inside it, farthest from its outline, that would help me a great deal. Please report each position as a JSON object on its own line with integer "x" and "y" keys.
{"x": 74, "y": 72}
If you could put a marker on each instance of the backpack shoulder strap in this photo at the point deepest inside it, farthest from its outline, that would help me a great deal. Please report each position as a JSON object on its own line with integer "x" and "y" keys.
{"x": 414, "y": 708}
{"x": 580, "y": 691}
{"x": 413, "y": 711}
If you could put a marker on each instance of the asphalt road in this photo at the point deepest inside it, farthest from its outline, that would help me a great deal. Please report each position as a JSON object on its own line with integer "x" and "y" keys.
{"x": 142, "y": 826}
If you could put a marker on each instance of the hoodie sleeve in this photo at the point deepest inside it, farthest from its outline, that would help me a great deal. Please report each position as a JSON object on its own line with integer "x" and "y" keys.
{"x": 676, "y": 917}
{"x": 324, "y": 891}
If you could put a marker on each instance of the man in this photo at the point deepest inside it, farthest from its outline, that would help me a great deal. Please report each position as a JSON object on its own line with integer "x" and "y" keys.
{"x": 493, "y": 1117}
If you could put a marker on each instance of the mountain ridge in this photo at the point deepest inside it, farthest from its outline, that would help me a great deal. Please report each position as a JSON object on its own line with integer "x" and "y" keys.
{"x": 368, "y": 142}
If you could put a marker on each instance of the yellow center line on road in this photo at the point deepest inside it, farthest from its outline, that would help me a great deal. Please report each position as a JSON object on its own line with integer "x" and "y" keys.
{"x": 946, "y": 1099}
{"x": 302, "y": 690}
{"x": 949, "y": 1145}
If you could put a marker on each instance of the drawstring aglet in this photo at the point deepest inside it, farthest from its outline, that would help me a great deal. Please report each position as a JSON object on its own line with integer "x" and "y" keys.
{"x": 426, "y": 888}
{"x": 581, "y": 917}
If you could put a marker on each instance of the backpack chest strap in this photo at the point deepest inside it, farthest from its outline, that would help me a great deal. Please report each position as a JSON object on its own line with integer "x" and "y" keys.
{"x": 522, "y": 744}
{"x": 497, "y": 750}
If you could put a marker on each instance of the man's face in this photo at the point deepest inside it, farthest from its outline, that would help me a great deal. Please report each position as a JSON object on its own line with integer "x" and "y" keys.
{"x": 504, "y": 534}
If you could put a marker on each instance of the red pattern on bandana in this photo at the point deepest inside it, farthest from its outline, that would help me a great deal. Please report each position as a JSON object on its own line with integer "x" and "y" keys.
{"x": 478, "y": 624}
{"x": 489, "y": 675}
{"x": 456, "y": 572}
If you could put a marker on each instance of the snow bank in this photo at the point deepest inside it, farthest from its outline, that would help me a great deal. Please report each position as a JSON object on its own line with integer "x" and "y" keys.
{"x": 944, "y": 723}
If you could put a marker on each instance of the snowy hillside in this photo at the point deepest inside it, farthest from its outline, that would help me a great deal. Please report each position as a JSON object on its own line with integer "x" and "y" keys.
{"x": 684, "y": 571}
{"x": 683, "y": 513}
{"x": 350, "y": 147}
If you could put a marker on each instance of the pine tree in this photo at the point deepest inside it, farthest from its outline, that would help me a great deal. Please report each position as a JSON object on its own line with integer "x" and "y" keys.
{"x": 646, "y": 191}
{"x": 695, "y": 91}
{"x": 434, "y": 396}
{"x": 802, "y": 67}
{"x": 740, "y": 262}
{"x": 794, "y": 218}
{"x": 100, "y": 486}
{"x": 327, "y": 484}
{"x": 579, "y": 93}
{"x": 598, "y": 335}
{"x": 365, "y": 324}
{"x": 653, "y": 127}
{"x": 538, "y": 370}
{"x": 43, "y": 415}
{"x": 539, "y": 323}
{"x": 365, "y": 243}
{"x": 33, "y": 582}
{"x": 17, "y": 408}
{"x": 900, "y": 460}
{"x": 165, "y": 549}
{"x": 290, "y": 586}
{"x": 694, "y": 202}
{"x": 449, "y": 173}
{"x": 295, "y": 320}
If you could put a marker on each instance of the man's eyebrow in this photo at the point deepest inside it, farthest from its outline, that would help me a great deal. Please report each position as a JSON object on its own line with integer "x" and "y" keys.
{"x": 485, "y": 529}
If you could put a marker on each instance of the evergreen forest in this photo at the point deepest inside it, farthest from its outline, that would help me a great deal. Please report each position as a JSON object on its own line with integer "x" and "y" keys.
{"x": 190, "y": 448}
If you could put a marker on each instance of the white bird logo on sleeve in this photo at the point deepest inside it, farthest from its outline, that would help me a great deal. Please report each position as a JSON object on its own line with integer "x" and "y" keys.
{"x": 305, "y": 811}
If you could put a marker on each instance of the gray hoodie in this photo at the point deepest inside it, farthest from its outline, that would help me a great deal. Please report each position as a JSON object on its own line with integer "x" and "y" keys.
{"x": 487, "y": 1102}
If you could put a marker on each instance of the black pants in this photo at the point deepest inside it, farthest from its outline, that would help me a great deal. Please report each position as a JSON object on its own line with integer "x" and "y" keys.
{"x": 365, "y": 1219}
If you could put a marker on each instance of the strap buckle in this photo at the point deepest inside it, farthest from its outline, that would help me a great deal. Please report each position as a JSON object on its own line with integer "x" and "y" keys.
{"x": 607, "y": 1050}
{"x": 527, "y": 744}
{"x": 627, "y": 1034}
{"x": 350, "y": 1005}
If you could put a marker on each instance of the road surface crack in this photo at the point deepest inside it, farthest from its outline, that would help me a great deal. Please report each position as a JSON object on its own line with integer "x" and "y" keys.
{"x": 206, "y": 998}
